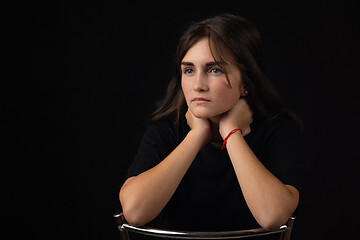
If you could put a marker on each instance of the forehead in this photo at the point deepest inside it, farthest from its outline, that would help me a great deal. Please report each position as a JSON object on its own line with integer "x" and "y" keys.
{"x": 205, "y": 50}
{"x": 199, "y": 52}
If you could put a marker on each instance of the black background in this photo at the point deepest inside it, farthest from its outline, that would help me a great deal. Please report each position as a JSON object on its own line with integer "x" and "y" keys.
{"x": 90, "y": 77}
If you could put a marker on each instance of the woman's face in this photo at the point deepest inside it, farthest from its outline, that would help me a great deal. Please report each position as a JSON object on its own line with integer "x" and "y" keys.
{"x": 204, "y": 83}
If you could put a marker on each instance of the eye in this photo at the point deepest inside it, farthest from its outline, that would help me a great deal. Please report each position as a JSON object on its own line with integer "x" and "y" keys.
{"x": 188, "y": 71}
{"x": 216, "y": 71}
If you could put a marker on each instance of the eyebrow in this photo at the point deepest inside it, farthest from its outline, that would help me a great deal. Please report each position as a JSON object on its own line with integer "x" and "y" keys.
{"x": 209, "y": 64}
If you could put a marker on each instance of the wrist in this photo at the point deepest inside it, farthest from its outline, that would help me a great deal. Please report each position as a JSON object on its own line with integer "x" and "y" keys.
{"x": 232, "y": 132}
{"x": 200, "y": 136}
{"x": 224, "y": 131}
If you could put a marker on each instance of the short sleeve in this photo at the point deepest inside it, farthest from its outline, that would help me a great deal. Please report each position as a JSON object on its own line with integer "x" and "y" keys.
{"x": 284, "y": 152}
{"x": 157, "y": 143}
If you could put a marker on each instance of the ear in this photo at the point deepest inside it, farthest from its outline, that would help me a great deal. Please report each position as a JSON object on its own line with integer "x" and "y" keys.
{"x": 243, "y": 91}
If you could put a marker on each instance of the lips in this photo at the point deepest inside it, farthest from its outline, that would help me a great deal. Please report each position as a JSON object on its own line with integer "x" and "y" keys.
{"x": 200, "y": 100}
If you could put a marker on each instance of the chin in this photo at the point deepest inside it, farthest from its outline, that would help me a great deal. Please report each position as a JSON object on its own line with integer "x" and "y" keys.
{"x": 204, "y": 113}
{"x": 204, "y": 116}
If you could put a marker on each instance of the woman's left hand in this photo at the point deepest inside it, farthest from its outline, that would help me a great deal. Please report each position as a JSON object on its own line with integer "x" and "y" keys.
{"x": 240, "y": 116}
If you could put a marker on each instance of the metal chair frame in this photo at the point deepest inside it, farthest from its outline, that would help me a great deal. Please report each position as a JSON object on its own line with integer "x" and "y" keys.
{"x": 125, "y": 228}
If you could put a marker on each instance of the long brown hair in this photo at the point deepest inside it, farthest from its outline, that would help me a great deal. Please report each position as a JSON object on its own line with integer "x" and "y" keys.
{"x": 242, "y": 41}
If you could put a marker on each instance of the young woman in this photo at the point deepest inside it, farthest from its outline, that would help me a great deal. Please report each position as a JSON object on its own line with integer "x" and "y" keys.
{"x": 222, "y": 152}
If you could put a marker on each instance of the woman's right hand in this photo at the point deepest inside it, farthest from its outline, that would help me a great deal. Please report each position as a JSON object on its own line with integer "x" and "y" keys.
{"x": 144, "y": 196}
{"x": 199, "y": 125}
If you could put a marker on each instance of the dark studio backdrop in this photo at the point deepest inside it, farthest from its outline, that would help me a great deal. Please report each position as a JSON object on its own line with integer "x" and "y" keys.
{"x": 96, "y": 70}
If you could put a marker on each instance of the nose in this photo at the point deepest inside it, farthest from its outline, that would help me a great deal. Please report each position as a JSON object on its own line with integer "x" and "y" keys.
{"x": 200, "y": 83}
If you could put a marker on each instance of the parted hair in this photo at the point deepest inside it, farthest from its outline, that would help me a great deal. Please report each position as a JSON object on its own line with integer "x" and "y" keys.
{"x": 229, "y": 35}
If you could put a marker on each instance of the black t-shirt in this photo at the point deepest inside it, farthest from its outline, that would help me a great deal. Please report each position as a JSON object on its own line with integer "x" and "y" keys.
{"x": 209, "y": 197}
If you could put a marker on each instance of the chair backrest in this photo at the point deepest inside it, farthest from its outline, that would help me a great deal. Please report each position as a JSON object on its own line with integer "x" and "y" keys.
{"x": 284, "y": 231}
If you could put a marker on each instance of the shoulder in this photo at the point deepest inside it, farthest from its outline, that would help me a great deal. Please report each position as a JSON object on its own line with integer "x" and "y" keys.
{"x": 284, "y": 127}
{"x": 160, "y": 129}
{"x": 281, "y": 138}
{"x": 167, "y": 129}
{"x": 165, "y": 124}
{"x": 278, "y": 133}
{"x": 281, "y": 124}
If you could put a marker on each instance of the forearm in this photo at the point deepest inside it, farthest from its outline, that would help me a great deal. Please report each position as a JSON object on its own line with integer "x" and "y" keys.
{"x": 270, "y": 201}
{"x": 144, "y": 196}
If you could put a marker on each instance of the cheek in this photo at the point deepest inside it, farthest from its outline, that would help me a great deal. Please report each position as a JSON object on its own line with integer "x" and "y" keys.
{"x": 230, "y": 100}
{"x": 226, "y": 93}
{"x": 227, "y": 98}
{"x": 185, "y": 88}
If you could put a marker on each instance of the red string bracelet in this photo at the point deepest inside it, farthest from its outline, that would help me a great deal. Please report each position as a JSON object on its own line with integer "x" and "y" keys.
{"x": 225, "y": 140}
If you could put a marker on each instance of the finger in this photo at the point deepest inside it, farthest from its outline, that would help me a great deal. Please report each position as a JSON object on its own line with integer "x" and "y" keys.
{"x": 247, "y": 130}
{"x": 187, "y": 116}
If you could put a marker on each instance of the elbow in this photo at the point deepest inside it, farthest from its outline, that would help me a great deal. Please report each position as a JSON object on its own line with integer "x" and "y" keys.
{"x": 272, "y": 222}
{"x": 271, "y": 225}
{"x": 276, "y": 216}
{"x": 132, "y": 213}
{"x": 130, "y": 209}
{"x": 133, "y": 218}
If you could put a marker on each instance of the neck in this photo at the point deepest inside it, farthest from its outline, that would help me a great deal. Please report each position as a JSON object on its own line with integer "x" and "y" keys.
{"x": 216, "y": 138}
